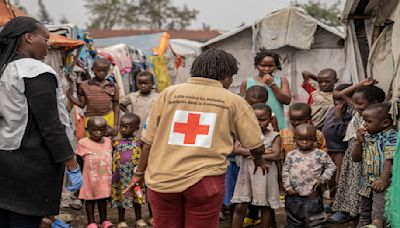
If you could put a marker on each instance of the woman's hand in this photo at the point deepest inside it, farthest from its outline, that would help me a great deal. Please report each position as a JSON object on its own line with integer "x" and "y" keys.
{"x": 268, "y": 79}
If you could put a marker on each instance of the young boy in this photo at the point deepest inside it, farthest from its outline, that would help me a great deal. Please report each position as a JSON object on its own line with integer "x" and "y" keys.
{"x": 142, "y": 99}
{"x": 304, "y": 171}
{"x": 299, "y": 113}
{"x": 99, "y": 95}
{"x": 320, "y": 93}
{"x": 375, "y": 147}
{"x": 259, "y": 94}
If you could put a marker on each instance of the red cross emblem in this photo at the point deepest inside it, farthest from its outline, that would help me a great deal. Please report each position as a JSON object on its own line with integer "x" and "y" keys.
{"x": 191, "y": 129}
{"x": 194, "y": 129}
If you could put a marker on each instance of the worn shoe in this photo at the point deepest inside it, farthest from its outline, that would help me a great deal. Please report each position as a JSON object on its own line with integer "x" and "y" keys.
{"x": 141, "y": 223}
{"x": 250, "y": 222}
{"x": 122, "y": 225}
{"x": 338, "y": 218}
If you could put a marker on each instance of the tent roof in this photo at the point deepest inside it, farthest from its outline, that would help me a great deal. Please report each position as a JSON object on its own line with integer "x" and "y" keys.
{"x": 62, "y": 41}
{"x": 7, "y": 12}
{"x": 146, "y": 43}
{"x": 227, "y": 35}
{"x": 333, "y": 30}
{"x": 185, "y": 47}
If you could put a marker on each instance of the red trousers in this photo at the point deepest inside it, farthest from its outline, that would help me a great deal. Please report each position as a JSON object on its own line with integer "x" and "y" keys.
{"x": 196, "y": 207}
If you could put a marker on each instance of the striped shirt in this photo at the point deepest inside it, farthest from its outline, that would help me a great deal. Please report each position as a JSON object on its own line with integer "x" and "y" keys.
{"x": 99, "y": 98}
{"x": 376, "y": 149}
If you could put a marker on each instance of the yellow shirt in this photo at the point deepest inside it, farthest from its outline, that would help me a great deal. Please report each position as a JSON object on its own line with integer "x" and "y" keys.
{"x": 191, "y": 128}
{"x": 288, "y": 144}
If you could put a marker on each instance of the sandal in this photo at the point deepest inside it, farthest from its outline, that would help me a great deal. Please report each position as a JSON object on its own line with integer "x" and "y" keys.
{"x": 106, "y": 224}
{"x": 92, "y": 225}
{"x": 141, "y": 223}
{"x": 338, "y": 218}
{"x": 122, "y": 225}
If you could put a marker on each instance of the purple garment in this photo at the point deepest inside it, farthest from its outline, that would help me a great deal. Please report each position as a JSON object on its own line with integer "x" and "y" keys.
{"x": 334, "y": 130}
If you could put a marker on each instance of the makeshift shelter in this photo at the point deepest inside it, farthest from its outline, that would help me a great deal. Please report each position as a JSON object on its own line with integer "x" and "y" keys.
{"x": 185, "y": 52}
{"x": 303, "y": 43}
{"x": 373, "y": 44}
{"x": 154, "y": 48}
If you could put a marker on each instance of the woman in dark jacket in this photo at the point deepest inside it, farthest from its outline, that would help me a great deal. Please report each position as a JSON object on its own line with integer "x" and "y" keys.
{"x": 34, "y": 148}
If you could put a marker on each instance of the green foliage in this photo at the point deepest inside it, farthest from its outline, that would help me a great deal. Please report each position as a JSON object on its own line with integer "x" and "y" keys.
{"x": 327, "y": 14}
{"x": 150, "y": 14}
{"x": 43, "y": 15}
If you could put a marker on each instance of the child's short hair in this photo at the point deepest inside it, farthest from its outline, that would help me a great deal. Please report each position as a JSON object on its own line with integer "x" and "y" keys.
{"x": 102, "y": 60}
{"x": 305, "y": 108}
{"x": 262, "y": 106}
{"x": 146, "y": 74}
{"x": 341, "y": 87}
{"x": 264, "y": 53}
{"x": 215, "y": 64}
{"x": 257, "y": 92}
{"x": 381, "y": 110}
{"x": 329, "y": 71}
{"x": 372, "y": 93}
{"x": 132, "y": 116}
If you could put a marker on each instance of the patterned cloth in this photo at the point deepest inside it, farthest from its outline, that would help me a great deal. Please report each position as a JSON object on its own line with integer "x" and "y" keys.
{"x": 347, "y": 198}
{"x": 126, "y": 156}
{"x": 99, "y": 98}
{"x": 258, "y": 189}
{"x": 288, "y": 144}
{"x": 97, "y": 162}
{"x": 301, "y": 170}
{"x": 376, "y": 149}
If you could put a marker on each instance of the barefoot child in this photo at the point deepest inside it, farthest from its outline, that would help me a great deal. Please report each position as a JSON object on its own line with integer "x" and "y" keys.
{"x": 258, "y": 189}
{"x": 320, "y": 89}
{"x": 98, "y": 95}
{"x": 304, "y": 171}
{"x": 126, "y": 155}
{"x": 96, "y": 151}
{"x": 375, "y": 147}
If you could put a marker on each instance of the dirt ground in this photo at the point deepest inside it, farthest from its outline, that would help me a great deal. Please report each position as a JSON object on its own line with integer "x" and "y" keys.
{"x": 80, "y": 218}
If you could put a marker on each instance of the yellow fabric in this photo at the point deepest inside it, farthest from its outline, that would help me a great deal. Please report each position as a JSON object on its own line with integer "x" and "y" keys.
{"x": 163, "y": 79}
{"x": 108, "y": 117}
{"x": 175, "y": 167}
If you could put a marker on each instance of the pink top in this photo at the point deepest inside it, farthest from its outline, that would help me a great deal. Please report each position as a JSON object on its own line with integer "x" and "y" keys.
{"x": 97, "y": 166}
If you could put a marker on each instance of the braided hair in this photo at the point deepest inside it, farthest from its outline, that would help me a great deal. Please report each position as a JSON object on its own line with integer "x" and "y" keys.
{"x": 10, "y": 38}
{"x": 215, "y": 64}
{"x": 264, "y": 53}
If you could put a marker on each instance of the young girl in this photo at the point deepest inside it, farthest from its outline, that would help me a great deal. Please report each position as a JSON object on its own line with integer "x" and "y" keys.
{"x": 126, "y": 155}
{"x": 258, "y": 189}
{"x": 267, "y": 63}
{"x": 347, "y": 202}
{"x": 96, "y": 152}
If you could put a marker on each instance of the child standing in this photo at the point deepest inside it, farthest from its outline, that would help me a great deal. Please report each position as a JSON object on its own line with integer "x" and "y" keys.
{"x": 96, "y": 152}
{"x": 347, "y": 202}
{"x": 304, "y": 171}
{"x": 334, "y": 129}
{"x": 267, "y": 64}
{"x": 99, "y": 95}
{"x": 299, "y": 113}
{"x": 258, "y": 189}
{"x": 320, "y": 93}
{"x": 126, "y": 155}
{"x": 374, "y": 148}
{"x": 142, "y": 99}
